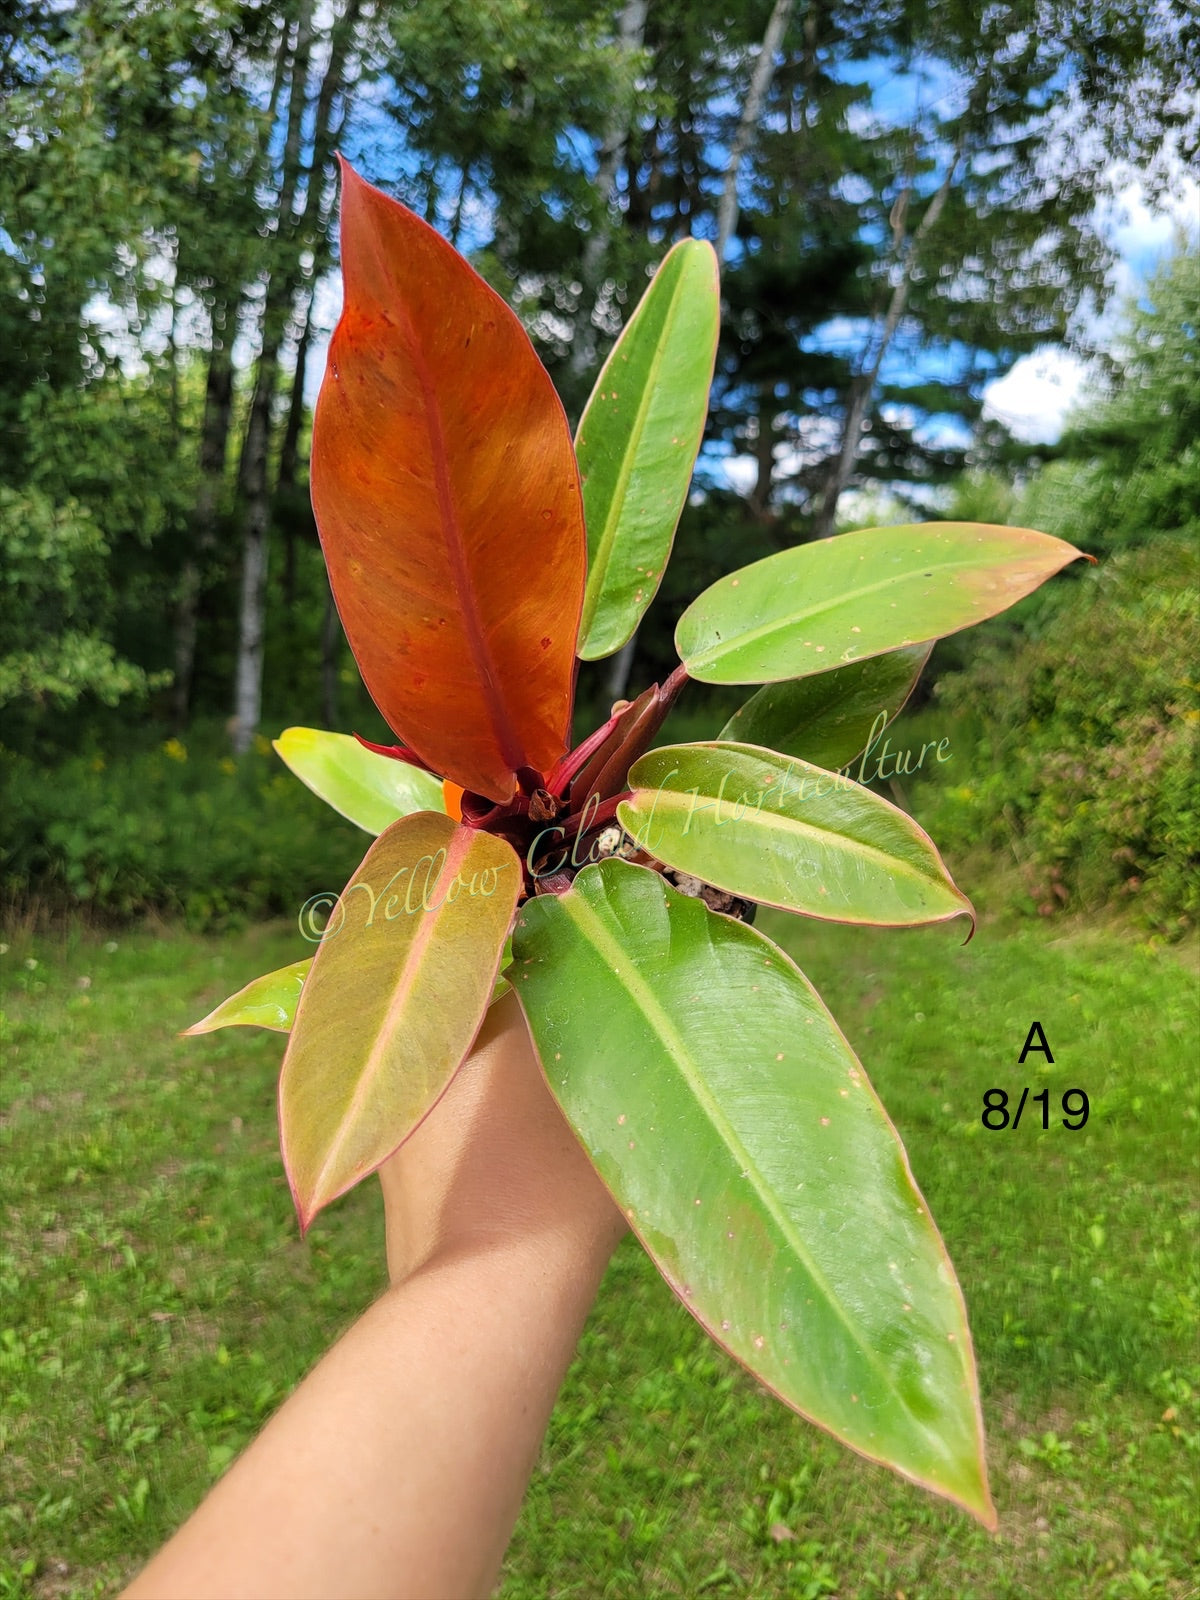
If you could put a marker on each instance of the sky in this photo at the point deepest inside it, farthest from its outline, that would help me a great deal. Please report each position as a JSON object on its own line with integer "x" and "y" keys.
{"x": 1034, "y": 398}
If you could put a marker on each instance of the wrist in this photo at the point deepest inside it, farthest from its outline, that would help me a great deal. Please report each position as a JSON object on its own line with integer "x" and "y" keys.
{"x": 572, "y": 1237}
{"x": 495, "y": 1164}
{"x": 551, "y": 1252}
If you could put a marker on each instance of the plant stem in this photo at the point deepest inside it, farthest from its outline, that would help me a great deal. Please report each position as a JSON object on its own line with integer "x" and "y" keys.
{"x": 673, "y": 687}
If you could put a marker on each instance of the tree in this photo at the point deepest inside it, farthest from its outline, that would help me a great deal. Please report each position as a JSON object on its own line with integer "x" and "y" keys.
{"x": 516, "y": 117}
{"x": 1125, "y": 474}
{"x": 169, "y": 174}
{"x": 58, "y": 602}
{"x": 1129, "y": 468}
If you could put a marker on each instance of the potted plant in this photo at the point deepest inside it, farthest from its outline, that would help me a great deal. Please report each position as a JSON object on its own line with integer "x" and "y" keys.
{"x": 477, "y": 553}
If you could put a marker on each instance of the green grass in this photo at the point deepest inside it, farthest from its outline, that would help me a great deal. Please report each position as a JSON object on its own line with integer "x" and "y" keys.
{"x": 156, "y": 1303}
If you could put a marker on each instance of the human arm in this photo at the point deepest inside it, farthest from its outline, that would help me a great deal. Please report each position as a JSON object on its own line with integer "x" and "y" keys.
{"x": 398, "y": 1466}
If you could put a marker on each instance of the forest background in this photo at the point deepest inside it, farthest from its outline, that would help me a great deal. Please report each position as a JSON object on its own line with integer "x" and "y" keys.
{"x": 908, "y": 198}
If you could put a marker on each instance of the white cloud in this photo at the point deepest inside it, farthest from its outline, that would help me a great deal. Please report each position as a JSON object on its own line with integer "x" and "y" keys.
{"x": 1141, "y": 233}
{"x": 1033, "y": 398}
{"x": 740, "y": 473}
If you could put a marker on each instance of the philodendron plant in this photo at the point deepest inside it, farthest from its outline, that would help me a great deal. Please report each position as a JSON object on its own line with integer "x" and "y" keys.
{"x": 477, "y": 554}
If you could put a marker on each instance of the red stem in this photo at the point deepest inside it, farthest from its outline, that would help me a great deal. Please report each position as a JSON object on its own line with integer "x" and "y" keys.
{"x": 671, "y": 690}
{"x": 558, "y": 780}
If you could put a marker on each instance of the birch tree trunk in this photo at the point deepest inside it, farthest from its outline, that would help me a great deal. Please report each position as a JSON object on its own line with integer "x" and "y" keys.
{"x": 862, "y": 389}
{"x": 301, "y": 228}
{"x": 631, "y": 33}
{"x": 254, "y": 484}
{"x": 760, "y": 82}
{"x": 214, "y": 445}
{"x": 289, "y": 452}
{"x": 752, "y": 107}
{"x": 288, "y": 476}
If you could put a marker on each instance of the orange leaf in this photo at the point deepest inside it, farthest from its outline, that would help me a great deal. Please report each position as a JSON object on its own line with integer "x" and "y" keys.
{"x": 452, "y": 800}
{"x": 448, "y": 502}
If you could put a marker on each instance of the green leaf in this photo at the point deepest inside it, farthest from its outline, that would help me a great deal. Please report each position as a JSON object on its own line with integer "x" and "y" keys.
{"x": 831, "y": 718}
{"x": 774, "y": 828}
{"x": 818, "y": 605}
{"x": 725, "y": 1111}
{"x": 502, "y": 985}
{"x": 401, "y": 980}
{"x": 267, "y": 1002}
{"x": 371, "y": 790}
{"x": 271, "y": 1001}
{"x": 638, "y": 439}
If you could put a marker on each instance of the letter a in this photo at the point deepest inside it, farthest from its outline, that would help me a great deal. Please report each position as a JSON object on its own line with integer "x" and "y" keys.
{"x": 1035, "y": 1028}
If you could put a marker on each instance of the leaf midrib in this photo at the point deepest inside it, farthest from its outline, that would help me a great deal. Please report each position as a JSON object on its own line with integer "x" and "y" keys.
{"x": 608, "y": 535}
{"x": 505, "y": 735}
{"x": 676, "y": 1047}
{"x": 751, "y": 636}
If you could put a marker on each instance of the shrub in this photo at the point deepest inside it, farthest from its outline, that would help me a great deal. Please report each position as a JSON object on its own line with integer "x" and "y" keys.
{"x": 173, "y": 830}
{"x": 55, "y": 604}
{"x": 1083, "y": 744}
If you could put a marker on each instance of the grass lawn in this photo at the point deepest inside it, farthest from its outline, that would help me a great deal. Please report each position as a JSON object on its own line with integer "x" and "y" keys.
{"x": 156, "y": 1303}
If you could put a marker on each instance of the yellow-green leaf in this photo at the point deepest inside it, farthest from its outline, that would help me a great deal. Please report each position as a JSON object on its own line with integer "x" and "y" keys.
{"x": 403, "y": 975}
{"x": 638, "y": 439}
{"x": 818, "y": 605}
{"x": 829, "y": 719}
{"x": 369, "y": 789}
{"x": 271, "y": 1001}
{"x": 266, "y": 1002}
{"x": 774, "y": 828}
{"x": 729, "y": 1117}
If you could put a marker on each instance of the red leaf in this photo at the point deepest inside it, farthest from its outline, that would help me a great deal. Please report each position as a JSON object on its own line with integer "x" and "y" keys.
{"x": 448, "y": 502}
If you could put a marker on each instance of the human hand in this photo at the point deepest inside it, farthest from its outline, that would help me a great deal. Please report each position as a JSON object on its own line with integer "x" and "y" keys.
{"x": 495, "y": 1163}
{"x": 398, "y": 1465}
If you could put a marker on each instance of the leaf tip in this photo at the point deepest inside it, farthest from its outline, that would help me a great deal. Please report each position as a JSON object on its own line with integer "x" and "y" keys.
{"x": 710, "y": 255}
{"x": 967, "y": 1488}
{"x": 978, "y": 1503}
{"x": 306, "y": 1206}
